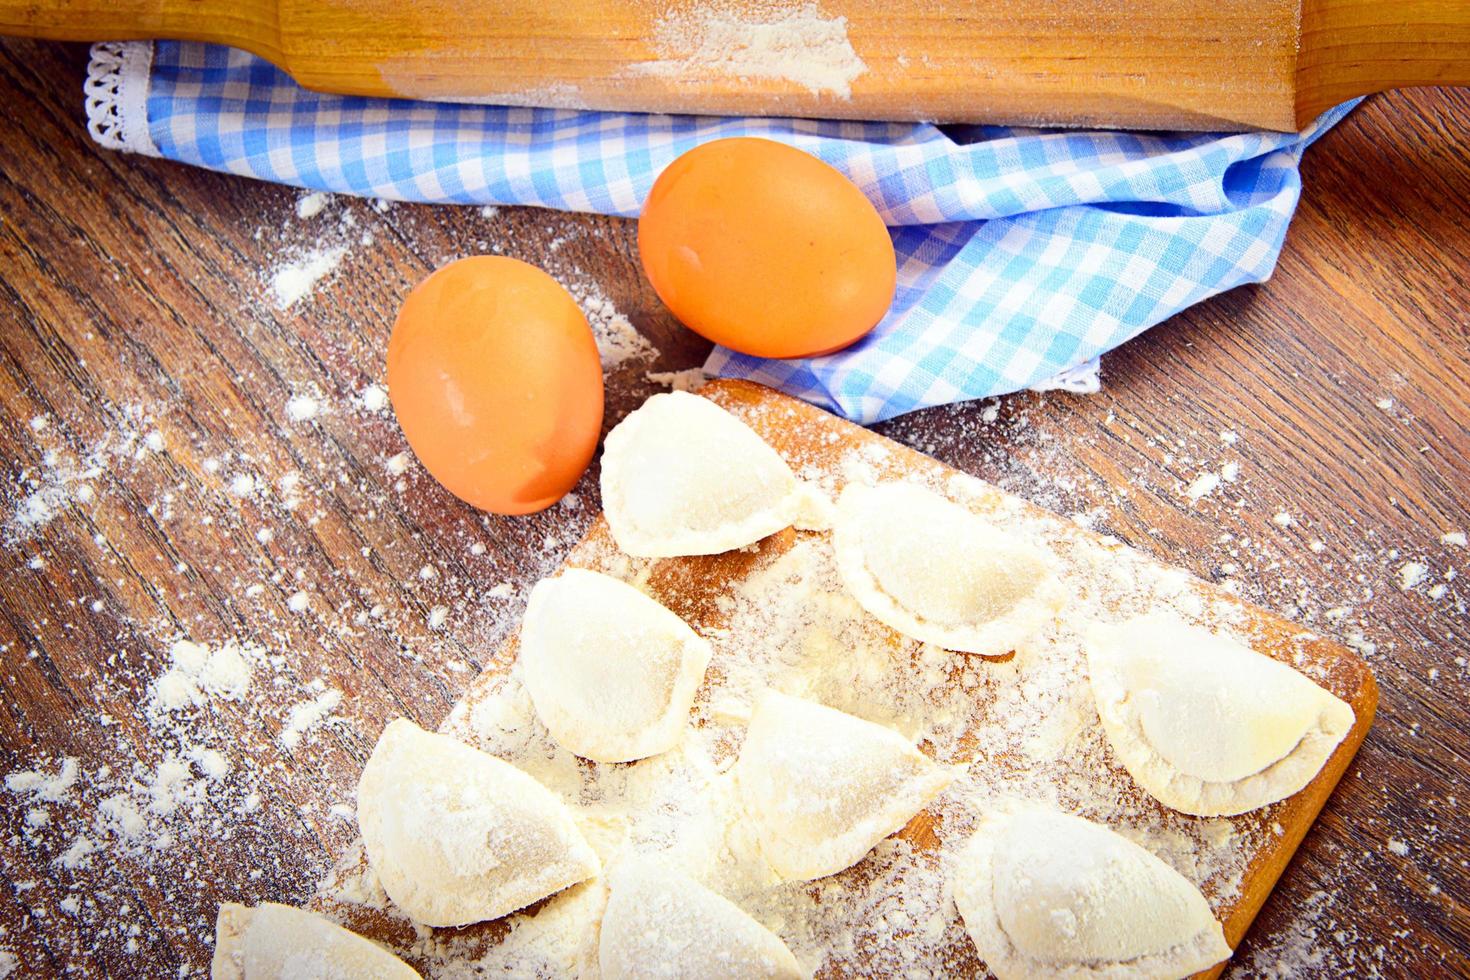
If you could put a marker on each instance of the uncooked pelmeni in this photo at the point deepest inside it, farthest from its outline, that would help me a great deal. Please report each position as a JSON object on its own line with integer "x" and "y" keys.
{"x": 681, "y": 476}
{"x": 1204, "y": 723}
{"x": 661, "y": 924}
{"x": 611, "y": 672}
{"x": 821, "y": 787}
{"x": 458, "y": 836}
{"x": 278, "y": 942}
{"x": 1049, "y": 895}
{"x": 940, "y": 573}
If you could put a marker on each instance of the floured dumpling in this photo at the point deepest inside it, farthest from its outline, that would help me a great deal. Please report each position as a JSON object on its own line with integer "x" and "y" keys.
{"x": 1049, "y": 895}
{"x": 681, "y": 476}
{"x": 938, "y": 572}
{"x": 612, "y": 673}
{"x": 278, "y": 942}
{"x": 822, "y": 787}
{"x": 1204, "y": 723}
{"x": 458, "y": 836}
{"x": 663, "y": 925}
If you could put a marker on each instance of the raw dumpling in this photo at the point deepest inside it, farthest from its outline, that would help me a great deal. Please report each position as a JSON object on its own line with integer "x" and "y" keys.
{"x": 661, "y": 924}
{"x": 278, "y": 942}
{"x": 940, "y": 573}
{"x": 822, "y": 787}
{"x": 1204, "y": 723}
{"x": 458, "y": 836}
{"x": 681, "y": 476}
{"x": 612, "y": 673}
{"x": 1049, "y": 895}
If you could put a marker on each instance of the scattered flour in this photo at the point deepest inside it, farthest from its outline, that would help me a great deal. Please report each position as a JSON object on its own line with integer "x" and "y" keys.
{"x": 618, "y": 341}
{"x": 1456, "y": 538}
{"x": 690, "y": 379}
{"x": 65, "y": 478}
{"x": 1203, "y": 486}
{"x": 311, "y": 205}
{"x": 373, "y": 398}
{"x": 137, "y": 809}
{"x": 1412, "y": 573}
{"x": 308, "y": 714}
{"x": 198, "y": 674}
{"x": 294, "y": 279}
{"x": 1311, "y": 946}
{"x": 771, "y": 41}
{"x": 302, "y": 408}
{"x": 48, "y": 788}
{"x": 78, "y": 853}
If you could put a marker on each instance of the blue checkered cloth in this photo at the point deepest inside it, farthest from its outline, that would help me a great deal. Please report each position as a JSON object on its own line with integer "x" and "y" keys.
{"x": 1023, "y": 254}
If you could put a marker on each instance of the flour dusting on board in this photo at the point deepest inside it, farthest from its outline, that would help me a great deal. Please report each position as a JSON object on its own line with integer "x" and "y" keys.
{"x": 773, "y": 41}
{"x": 778, "y": 617}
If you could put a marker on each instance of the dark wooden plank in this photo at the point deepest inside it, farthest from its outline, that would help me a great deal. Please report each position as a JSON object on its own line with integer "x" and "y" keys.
{"x": 134, "y": 301}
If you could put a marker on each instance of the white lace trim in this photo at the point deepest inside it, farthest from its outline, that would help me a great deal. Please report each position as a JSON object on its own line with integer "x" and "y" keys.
{"x": 117, "y": 96}
{"x": 1080, "y": 380}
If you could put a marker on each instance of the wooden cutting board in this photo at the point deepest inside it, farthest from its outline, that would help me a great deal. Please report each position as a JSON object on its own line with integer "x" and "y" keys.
{"x": 817, "y": 443}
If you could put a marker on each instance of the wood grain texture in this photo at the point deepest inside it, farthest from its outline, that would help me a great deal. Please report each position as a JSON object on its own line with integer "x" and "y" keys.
{"x": 1146, "y": 64}
{"x": 133, "y": 297}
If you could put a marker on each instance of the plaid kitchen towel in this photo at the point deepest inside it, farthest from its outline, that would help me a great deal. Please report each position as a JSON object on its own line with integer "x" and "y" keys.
{"x": 1023, "y": 254}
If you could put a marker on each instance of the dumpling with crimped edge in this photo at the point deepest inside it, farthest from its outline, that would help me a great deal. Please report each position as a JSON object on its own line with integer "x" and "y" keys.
{"x": 1205, "y": 724}
{"x": 660, "y": 924}
{"x": 274, "y": 942}
{"x": 938, "y": 572}
{"x": 456, "y": 835}
{"x": 822, "y": 787}
{"x": 612, "y": 673}
{"x": 681, "y": 476}
{"x": 1048, "y": 895}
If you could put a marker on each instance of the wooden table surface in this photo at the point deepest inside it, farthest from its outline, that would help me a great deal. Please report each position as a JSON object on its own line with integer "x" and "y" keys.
{"x": 158, "y": 488}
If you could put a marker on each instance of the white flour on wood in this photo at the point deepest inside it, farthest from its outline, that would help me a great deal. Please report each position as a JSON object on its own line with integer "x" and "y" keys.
{"x": 764, "y": 41}
{"x": 296, "y": 278}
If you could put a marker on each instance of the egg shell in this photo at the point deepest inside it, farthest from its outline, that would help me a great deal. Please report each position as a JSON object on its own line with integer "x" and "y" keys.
{"x": 494, "y": 376}
{"x": 766, "y": 249}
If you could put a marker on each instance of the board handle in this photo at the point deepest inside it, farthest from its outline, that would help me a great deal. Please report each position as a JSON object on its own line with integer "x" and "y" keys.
{"x": 253, "y": 25}
{"x": 1357, "y": 47}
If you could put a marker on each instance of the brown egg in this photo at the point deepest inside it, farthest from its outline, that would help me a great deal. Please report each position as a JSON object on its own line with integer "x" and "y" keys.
{"x": 495, "y": 378}
{"x": 766, "y": 249}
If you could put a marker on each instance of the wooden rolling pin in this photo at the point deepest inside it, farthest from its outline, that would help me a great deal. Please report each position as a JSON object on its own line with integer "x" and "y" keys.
{"x": 1151, "y": 64}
